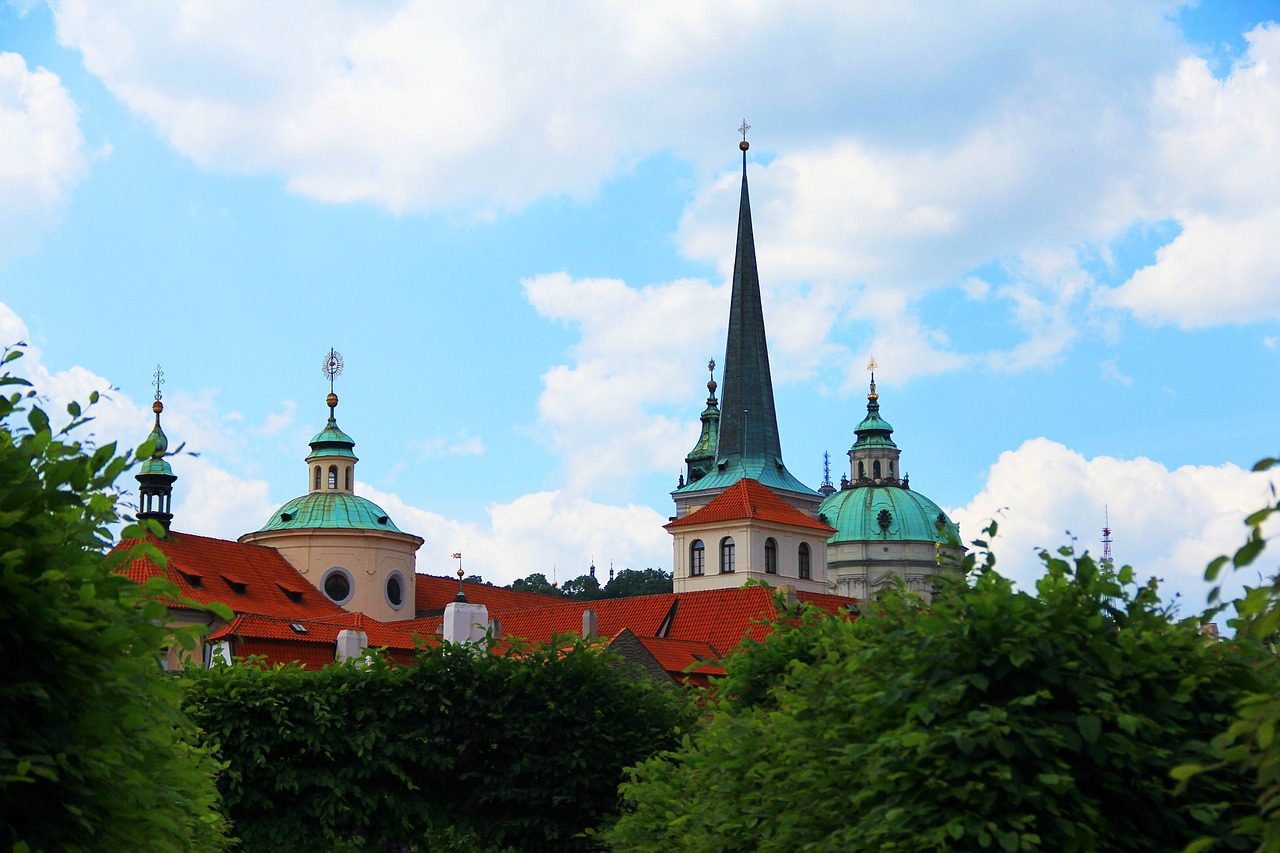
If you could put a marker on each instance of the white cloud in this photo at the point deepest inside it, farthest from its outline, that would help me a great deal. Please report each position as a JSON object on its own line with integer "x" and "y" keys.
{"x": 1217, "y": 271}
{"x": 461, "y": 443}
{"x": 1214, "y": 170}
{"x": 1110, "y": 370}
{"x": 634, "y": 379}
{"x": 418, "y": 105}
{"x": 1168, "y": 523}
{"x": 41, "y": 152}
{"x": 542, "y": 532}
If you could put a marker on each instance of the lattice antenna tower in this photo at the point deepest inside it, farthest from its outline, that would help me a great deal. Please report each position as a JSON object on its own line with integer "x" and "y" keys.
{"x": 1108, "y": 562}
{"x": 826, "y": 469}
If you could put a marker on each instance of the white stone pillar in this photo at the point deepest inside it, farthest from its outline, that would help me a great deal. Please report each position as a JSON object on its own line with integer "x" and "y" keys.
{"x": 465, "y": 622}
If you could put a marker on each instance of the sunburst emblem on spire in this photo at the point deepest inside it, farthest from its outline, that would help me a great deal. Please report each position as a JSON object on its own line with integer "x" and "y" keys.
{"x": 871, "y": 366}
{"x": 332, "y": 365}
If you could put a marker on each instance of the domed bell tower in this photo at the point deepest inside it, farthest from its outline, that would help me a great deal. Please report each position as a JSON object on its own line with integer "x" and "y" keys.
{"x": 155, "y": 477}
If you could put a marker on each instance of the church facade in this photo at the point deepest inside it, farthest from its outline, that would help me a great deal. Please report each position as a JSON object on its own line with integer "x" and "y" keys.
{"x": 741, "y": 515}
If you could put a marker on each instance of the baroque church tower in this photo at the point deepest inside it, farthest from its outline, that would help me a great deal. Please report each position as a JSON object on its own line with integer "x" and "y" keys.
{"x": 741, "y": 515}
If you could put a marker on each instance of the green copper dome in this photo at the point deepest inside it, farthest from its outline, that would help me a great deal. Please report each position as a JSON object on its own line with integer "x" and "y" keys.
{"x": 332, "y": 441}
{"x": 156, "y": 465}
{"x": 889, "y": 513}
{"x": 330, "y": 510}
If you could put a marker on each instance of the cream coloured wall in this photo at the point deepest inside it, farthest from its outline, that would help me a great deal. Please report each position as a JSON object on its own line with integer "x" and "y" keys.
{"x": 369, "y": 557}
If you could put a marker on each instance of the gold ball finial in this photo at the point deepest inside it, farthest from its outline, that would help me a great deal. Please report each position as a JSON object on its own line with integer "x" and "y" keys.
{"x": 744, "y": 145}
{"x": 157, "y": 407}
{"x": 331, "y": 400}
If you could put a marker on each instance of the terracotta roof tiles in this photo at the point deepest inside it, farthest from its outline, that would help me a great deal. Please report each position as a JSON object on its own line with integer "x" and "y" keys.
{"x": 749, "y": 499}
{"x": 210, "y": 570}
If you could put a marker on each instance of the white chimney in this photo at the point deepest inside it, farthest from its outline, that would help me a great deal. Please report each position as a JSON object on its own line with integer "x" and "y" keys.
{"x": 465, "y": 622}
{"x": 590, "y": 625}
{"x": 351, "y": 644}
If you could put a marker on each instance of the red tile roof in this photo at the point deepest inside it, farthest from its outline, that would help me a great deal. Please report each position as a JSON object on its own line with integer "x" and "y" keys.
{"x": 394, "y": 635}
{"x": 246, "y": 578}
{"x": 678, "y": 655}
{"x": 433, "y": 593}
{"x": 749, "y": 498}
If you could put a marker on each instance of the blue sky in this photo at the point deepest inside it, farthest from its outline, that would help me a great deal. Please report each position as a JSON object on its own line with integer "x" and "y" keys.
{"x": 1053, "y": 227}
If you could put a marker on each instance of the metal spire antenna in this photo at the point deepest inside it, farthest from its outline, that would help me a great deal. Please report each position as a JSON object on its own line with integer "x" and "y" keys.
{"x": 826, "y": 468}
{"x": 1108, "y": 563}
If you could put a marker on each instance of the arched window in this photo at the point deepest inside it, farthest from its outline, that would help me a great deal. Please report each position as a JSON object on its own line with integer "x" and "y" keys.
{"x": 804, "y": 561}
{"x": 770, "y": 556}
{"x": 890, "y": 470}
{"x": 697, "y": 558}
{"x": 348, "y": 478}
{"x": 875, "y": 469}
{"x": 333, "y": 476}
{"x": 317, "y": 476}
{"x": 862, "y": 471}
{"x": 726, "y": 555}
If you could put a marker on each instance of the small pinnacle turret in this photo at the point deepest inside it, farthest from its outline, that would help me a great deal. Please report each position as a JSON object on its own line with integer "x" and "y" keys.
{"x": 874, "y": 457}
{"x": 155, "y": 477}
{"x": 703, "y": 456}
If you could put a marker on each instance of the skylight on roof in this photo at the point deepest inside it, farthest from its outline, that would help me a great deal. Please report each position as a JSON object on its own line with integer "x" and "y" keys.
{"x": 298, "y": 627}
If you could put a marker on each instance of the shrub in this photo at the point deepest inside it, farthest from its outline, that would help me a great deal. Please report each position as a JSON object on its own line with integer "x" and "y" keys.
{"x": 997, "y": 719}
{"x": 95, "y": 753}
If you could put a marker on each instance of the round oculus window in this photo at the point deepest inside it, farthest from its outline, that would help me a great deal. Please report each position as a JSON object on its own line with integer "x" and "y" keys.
{"x": 395, "y": 590}
{"x": 337, "y": 585}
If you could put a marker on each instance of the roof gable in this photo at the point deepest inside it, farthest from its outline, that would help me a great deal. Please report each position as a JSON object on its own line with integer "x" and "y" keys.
{"x": 750, "y": 499}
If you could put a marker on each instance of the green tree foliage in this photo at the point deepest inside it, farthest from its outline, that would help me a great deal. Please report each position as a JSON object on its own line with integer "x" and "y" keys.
{"x": 464, "y": 749}
{"x": 583, "y": 588}
{"x": 629, "y": 582}
{"x": 95, "y": 753}
{"x": 1250, "y": 743}
{"x": 995, "y": 720}
{"x": 625, "y": 584}
{"x": 536, "y": 582}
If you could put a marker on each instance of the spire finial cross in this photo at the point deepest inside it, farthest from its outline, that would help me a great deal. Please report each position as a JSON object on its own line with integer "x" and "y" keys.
{"x": 158, "y": 381}
{"x": 743, "y": 128}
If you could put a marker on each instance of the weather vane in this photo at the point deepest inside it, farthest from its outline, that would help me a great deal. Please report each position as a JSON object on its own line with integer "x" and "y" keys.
{"x": 332, "y": 365}
{"x": 159, "y": 380}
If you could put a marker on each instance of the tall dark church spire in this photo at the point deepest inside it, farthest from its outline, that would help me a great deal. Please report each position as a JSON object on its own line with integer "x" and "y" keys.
{"x": 748, "y": 423}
